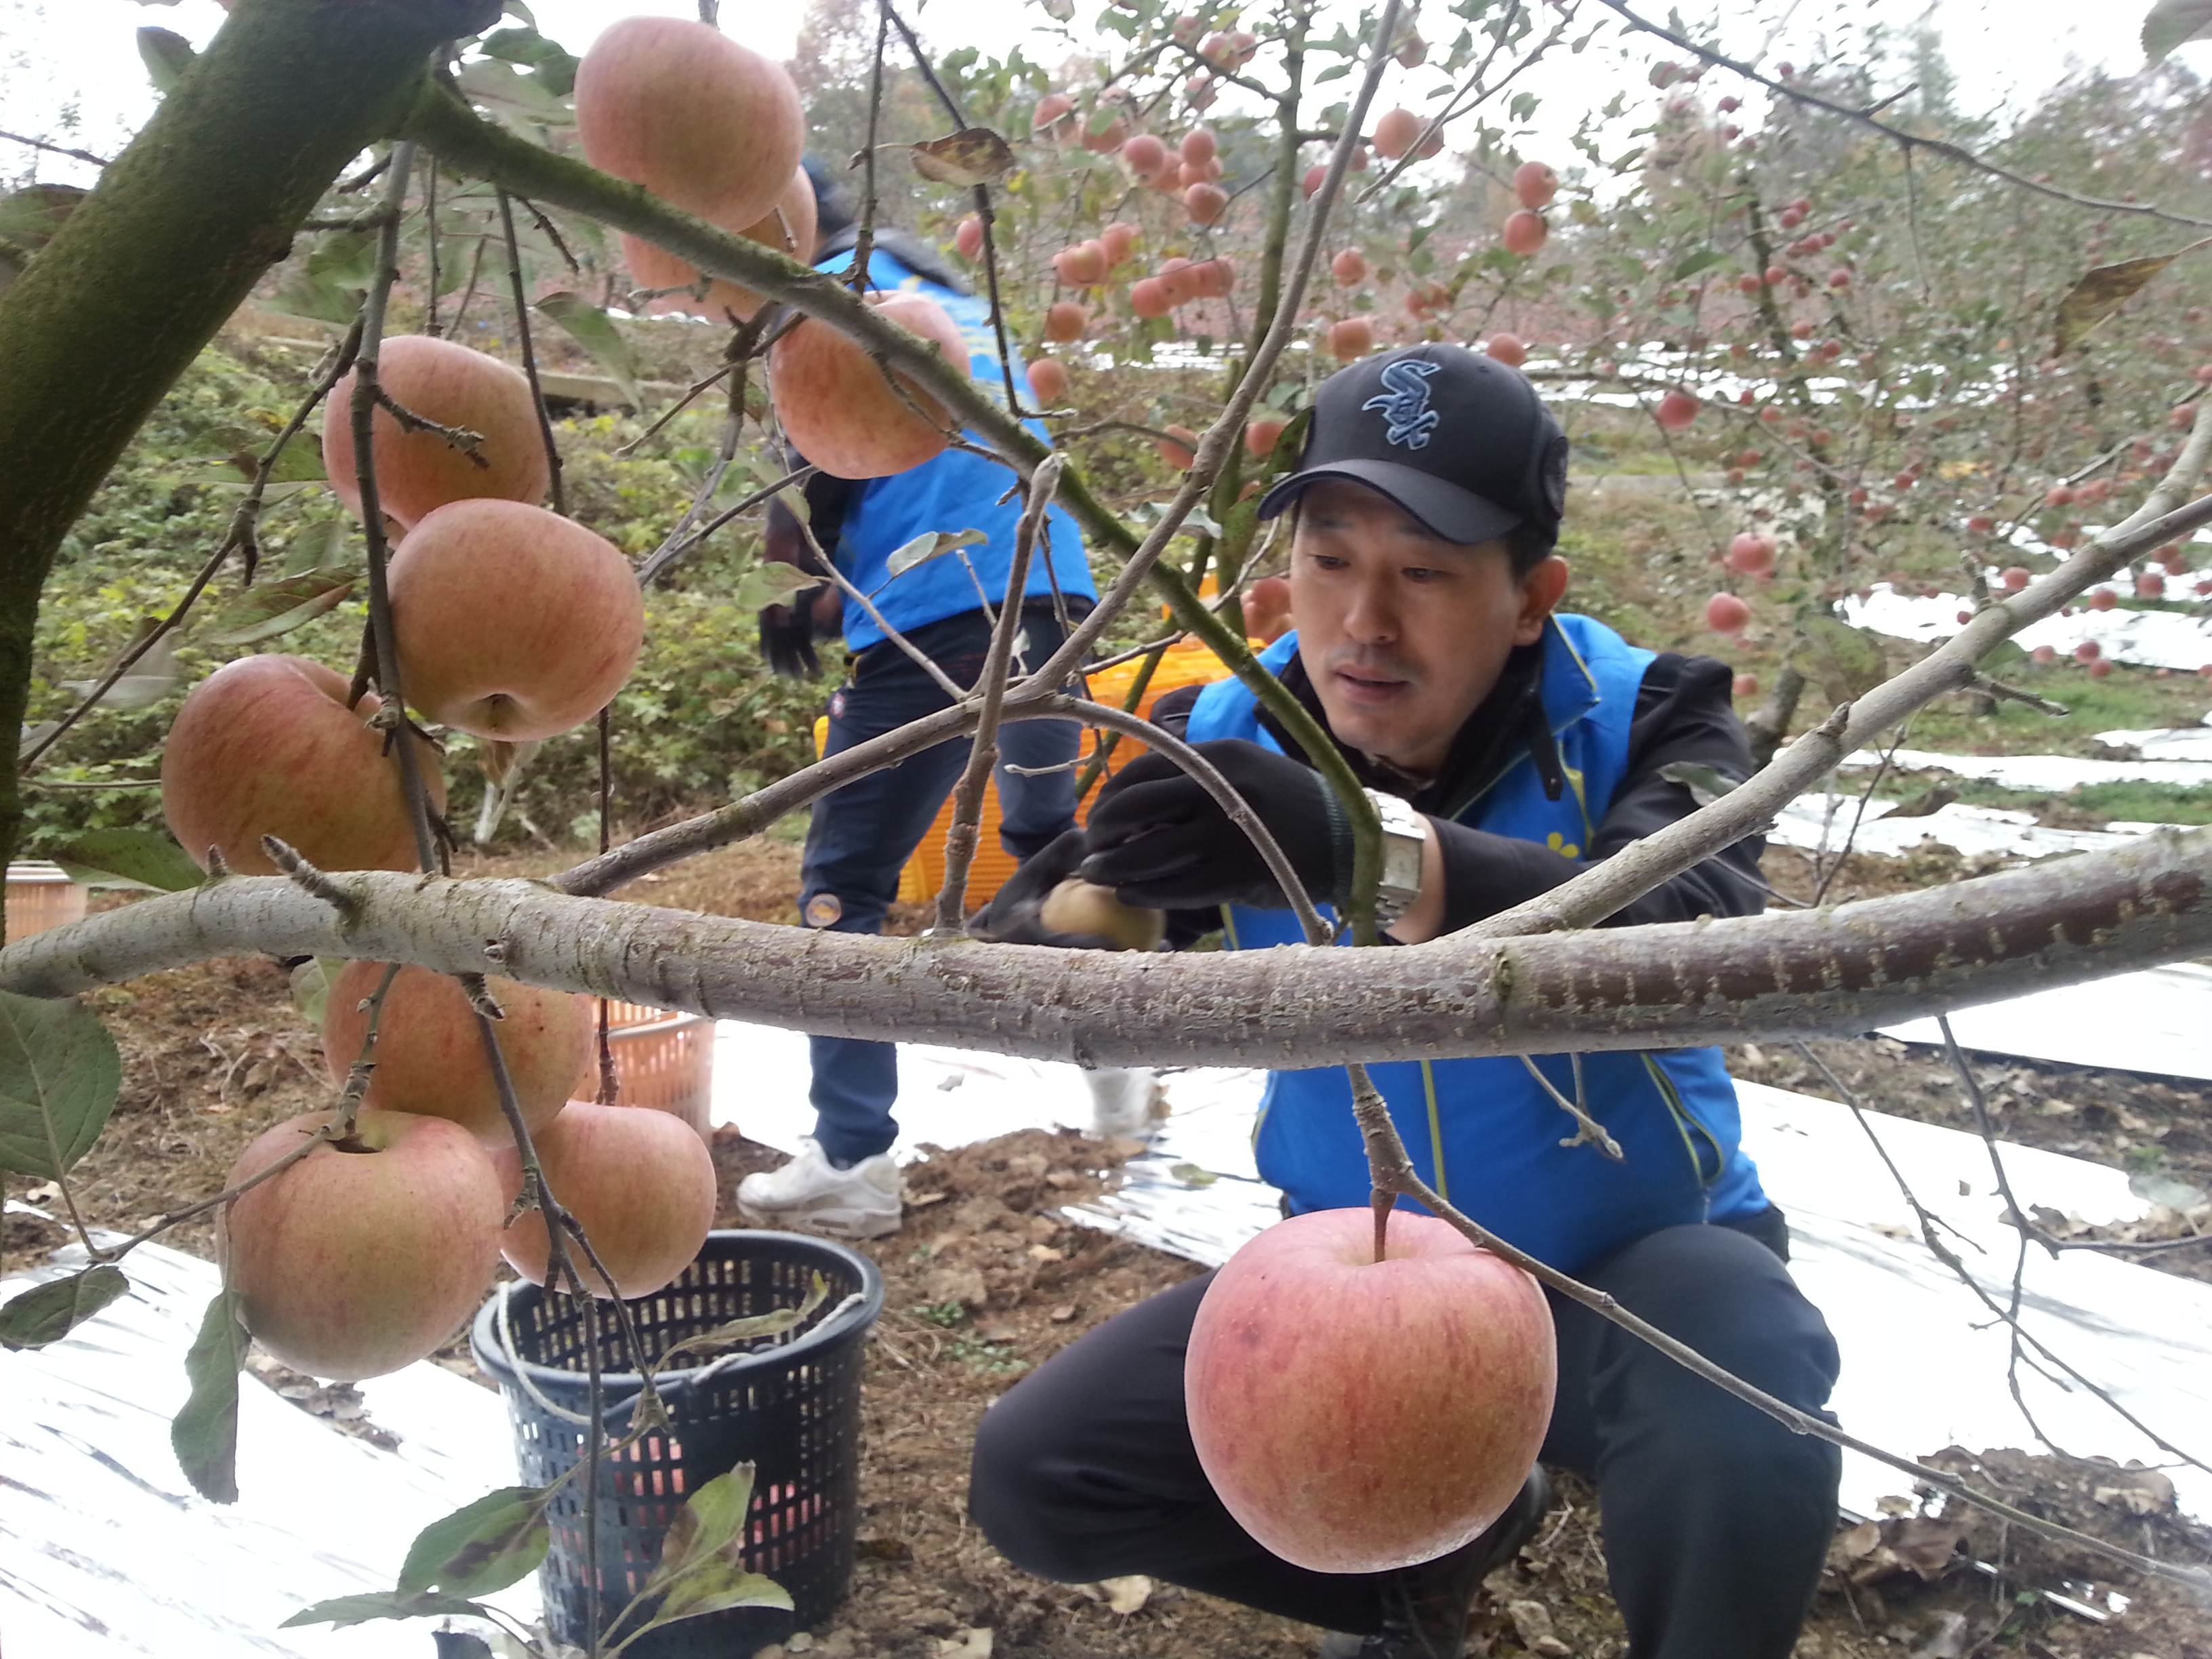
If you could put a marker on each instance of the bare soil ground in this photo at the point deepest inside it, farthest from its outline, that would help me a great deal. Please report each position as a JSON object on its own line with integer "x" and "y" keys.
{"x": 985, "y": 1281}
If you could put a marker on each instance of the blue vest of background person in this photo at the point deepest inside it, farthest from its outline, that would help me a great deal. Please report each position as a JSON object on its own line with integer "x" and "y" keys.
{"x": 842, "y": 1181}
{"x": 1507, "y": 747}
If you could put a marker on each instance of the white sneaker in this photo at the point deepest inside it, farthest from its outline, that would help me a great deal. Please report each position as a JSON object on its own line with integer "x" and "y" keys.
{"x": 810, "y": 1192}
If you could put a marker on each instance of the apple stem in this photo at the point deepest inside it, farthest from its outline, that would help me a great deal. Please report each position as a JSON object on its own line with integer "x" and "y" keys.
{"x": 1384, "y": 1203}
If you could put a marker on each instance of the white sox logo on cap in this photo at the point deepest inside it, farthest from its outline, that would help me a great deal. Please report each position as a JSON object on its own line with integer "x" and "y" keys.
{"x": 1405, "y": 403}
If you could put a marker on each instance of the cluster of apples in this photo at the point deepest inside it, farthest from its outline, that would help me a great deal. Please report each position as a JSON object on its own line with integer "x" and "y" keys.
{"x": 713, "y": 127}
{"x": 509, "y": 622}
{"x": 368, "y": 1253}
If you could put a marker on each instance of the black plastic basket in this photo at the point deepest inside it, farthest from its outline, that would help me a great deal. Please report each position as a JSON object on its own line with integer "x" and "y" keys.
{"x": 792, "y": 1409}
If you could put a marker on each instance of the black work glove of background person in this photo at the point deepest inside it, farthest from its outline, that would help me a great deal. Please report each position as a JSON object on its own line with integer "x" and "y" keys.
{"x": 1158, "y": 839}
{"x": 787, "y": 633}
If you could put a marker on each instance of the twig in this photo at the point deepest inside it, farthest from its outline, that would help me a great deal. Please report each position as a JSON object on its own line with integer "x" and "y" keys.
{"x": 1909, "y": 140}
{"x": 56, "y": 149}
{"x": 1929, "y": 1224}
{"x": 983, "y": 749}
{"x": 1589, "y": 1131}
{"x": 530, "y": 356}
{"x": 666, "y": 554}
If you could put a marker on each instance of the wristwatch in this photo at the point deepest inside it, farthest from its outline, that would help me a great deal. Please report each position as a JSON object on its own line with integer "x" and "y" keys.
{"x": 1403, "y": 836}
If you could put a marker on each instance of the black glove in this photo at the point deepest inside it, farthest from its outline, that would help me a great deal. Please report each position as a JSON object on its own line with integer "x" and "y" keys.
{"x": 1011, "y": 918}
{"x": 1157, "y": 838}
{"x": 787, "y": 633}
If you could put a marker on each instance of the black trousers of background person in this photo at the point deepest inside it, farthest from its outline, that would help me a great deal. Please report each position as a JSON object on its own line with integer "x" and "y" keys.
{"x": 1716, "y": 1519}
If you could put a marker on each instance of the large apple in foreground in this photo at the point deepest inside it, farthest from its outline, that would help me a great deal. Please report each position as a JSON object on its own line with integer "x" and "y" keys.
{"x": 1356, "y": 1416}
{"x": 640, "y": 1182}
{"x": 510, "y": 622}
{"x": 368, "y": 1253}
{"x": 430, "y": 1056}
{"x": 266, "y": 746}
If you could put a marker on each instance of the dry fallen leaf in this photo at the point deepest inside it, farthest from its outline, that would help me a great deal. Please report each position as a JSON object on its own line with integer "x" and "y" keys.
{"x": 973, "y": 155}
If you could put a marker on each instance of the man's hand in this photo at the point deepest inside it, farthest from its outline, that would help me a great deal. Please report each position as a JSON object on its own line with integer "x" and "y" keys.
{"x": 1016, "y": 915}
{"x": 1157, "y": 838}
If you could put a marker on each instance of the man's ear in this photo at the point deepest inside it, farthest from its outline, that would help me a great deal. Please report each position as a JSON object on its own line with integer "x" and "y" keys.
{"x": 1541, "y": 590}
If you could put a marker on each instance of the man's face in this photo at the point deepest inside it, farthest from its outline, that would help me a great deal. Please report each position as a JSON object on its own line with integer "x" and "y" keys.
{"x": 1404, "y": 633}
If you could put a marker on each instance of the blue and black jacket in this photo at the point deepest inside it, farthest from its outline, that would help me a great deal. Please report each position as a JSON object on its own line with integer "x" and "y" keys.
{"x": 1561, "y": 765}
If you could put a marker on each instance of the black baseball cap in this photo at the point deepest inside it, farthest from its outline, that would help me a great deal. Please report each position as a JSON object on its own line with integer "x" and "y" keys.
{"x": 1453, "y": 436}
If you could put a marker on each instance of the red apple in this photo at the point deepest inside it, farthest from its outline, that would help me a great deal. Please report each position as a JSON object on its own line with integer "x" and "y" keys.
{"x": 1751, "y": 552}
{"x": 789, "y": 228}
{"x": 640, "y": 1182}
{"x": 1148, "y": 297}
{"x": 1199, "y": 146}
{"x": 1179, "y": 448}
{"x": 2016, "y": 578}
{"x": 419, "y": 470}
{"x": 1396, "y": 131}
{"x": 1744, "y": 687}
{"x": 1083, "y": 265}
{"x": 1535, "y": 185}
{"x": 1268, "y": 608}
{"x": 1526, "y": 233}
{"x": 1145, "y": 154}
{"x": 968, "y": 237}
{"x": 1260, "y": 437}
{"x": 1358, "y": 1416}
{"x": 510, "y": 622}
{"x": 1677, "y": 409}
{"x": 1349, "y": 267}
{"x": 1350, "y": 339}
{"x": 1726, "y": 614}
{"x": 429, "y": 1056}
{"x": 368, "y": 1254}
{"x": 839, "y": 411}
{"x": 1048, "y": 381}
{"x": 266, "y": 746}
{"x": 1065, "y": 320}
{"x": 1204, "y": 202}
{"x": 1507, "y": 349}
{"x": 1117, "y": 239}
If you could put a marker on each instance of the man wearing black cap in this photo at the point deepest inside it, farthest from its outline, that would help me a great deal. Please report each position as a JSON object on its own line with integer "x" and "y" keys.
{"x": 1506, "y": 746}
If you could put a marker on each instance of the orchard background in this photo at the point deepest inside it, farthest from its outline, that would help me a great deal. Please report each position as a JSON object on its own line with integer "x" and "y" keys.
{"x": 1805, "y": 353}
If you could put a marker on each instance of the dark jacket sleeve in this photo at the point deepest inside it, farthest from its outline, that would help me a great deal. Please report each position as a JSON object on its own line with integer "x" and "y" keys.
{"x": 827, "y": 501}
{"x": 1684, "y": 713}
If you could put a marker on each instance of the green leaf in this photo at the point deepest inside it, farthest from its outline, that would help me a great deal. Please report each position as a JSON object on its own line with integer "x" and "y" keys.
{"x": 165, "y": 54}
{"x": 1844, "y": 661}
{"x": 769, "y": 583}
{"x": 204, "y": 1434}
{"x": 148, "y": 859}
{"x": 522, "y": 100}
{"x": 343, "y": 1610}
{"x": 484, "y": 1547}
{"x": 264, "y": 611}
{"x": 772, "y": 1323}
{"x": 59, "y": 1075}
{"x": 53, "y": 1309}
{"x": 311, "y": 986}
{"x": 715, "y": 1588}
{"x": 556, "y": 67}
{"x": 2171, "y": 23}
{"x": 930, "y": 545}
{"x": 1704, "y": 259}
{"x": 707, "y": 1525}
{"x": 318, "y": 547}
{"x": 595, "y": 332}
{"x": 152, "y": 677}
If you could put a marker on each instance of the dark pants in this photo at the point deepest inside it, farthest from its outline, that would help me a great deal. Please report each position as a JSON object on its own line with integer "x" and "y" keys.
{"x": 863, "y": 833}
{"x": 1716, "y": 1519}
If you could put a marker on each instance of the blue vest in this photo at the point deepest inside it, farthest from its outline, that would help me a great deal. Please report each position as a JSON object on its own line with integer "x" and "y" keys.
{"x": 1482, "y": 1132}
{"x": 957, "y": 491}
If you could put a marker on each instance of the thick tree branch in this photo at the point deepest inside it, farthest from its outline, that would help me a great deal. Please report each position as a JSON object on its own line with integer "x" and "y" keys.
{"x": 1798, "y": 974}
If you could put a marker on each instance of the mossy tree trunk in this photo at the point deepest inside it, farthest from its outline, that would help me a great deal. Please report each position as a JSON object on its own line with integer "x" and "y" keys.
{"x": 181, "y": 228}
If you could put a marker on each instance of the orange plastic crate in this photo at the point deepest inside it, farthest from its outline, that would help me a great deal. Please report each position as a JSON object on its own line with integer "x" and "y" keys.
{"x": 663, "y": 1059}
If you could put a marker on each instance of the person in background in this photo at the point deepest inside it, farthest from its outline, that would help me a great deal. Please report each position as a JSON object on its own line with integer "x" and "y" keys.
{"x": 1506, "y": 747}
{"x": 842, "y": 1181}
